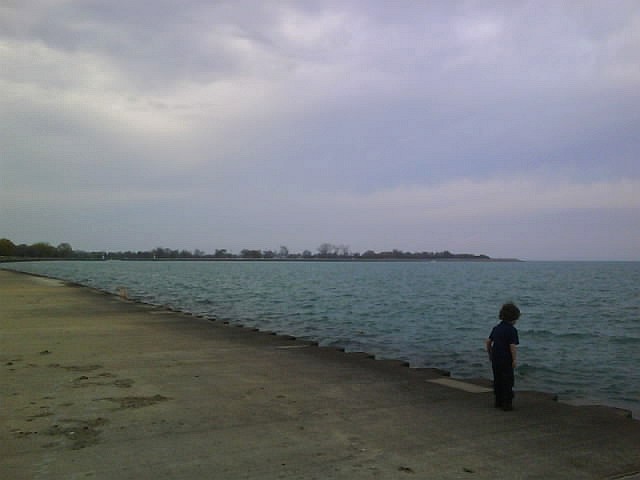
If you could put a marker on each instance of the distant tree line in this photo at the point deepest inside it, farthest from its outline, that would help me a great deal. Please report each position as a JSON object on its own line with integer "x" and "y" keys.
{"x": 8, "y": 250}
{"x": 36, "y": 250}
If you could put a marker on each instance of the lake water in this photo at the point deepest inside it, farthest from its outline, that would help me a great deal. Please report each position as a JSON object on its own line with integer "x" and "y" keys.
{"x": 579, "y": 330}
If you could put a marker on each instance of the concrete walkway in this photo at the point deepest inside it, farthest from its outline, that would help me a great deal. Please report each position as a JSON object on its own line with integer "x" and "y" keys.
{"x": 96, "y": 387}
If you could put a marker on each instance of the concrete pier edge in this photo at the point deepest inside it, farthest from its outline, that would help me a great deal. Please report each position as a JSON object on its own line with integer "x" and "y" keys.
{"x": 97, "y": 385}
{"x": 483, "y": 382}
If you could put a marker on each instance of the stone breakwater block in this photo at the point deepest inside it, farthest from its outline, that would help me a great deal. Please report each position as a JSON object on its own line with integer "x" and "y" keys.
{"x": 432, "y": 372}
{"x": 394, "y": 363}
{"x": 122, "y": 292}
{"x": 457, "y": 384}
{"x": 363, "y": 355}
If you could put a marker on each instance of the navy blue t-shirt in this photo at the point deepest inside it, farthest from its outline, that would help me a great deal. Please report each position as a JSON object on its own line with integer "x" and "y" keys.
{"x": 503, "y": 335}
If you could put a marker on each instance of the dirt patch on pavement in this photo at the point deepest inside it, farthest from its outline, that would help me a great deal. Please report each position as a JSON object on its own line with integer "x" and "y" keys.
{"x": 136, "y": 402}
{"x": 78, "y": 433}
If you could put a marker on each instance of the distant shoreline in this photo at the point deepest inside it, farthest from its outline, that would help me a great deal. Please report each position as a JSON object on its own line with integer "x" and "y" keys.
{"x": 236, "y": 259}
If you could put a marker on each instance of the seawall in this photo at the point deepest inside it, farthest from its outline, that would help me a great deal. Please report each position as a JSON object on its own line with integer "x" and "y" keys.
{"x": 97, "y": 386}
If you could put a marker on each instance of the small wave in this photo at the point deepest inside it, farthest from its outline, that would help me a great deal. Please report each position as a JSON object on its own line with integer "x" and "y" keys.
{"x": 626, "y": 340}
{"x": 204, "y": 301}
{"x": 526, "y": 369}
{"x": 550, "y": 334}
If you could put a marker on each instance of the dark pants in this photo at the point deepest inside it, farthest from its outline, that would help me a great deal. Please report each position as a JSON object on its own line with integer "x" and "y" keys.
{"x": 503, "y": 384}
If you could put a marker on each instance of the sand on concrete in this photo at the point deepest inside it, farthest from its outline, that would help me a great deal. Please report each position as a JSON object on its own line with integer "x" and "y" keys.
{"x": 94, "y": 386}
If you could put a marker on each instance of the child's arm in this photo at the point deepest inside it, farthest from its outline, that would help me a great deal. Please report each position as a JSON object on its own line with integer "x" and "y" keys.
{"x": 488, "y": 346}
{"x": 514, "y": 354}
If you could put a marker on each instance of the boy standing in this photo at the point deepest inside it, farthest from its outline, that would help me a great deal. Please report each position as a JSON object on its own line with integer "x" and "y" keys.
{"x": 501, "y": 347}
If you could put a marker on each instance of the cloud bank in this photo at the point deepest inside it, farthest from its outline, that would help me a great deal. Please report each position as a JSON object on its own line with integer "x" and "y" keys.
{"x": 477, "y": 127}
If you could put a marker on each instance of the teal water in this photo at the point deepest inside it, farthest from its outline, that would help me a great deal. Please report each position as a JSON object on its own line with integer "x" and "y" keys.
{"x": 579, "y": 330}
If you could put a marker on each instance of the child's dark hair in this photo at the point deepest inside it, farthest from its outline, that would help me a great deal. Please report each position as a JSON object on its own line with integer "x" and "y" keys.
{"x": 509, "y": 312}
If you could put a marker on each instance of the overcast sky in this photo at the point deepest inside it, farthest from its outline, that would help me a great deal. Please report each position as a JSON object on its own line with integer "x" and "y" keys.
{"x": 507, "y": 128}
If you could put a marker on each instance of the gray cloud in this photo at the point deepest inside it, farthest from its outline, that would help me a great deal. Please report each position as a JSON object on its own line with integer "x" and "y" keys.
{"x": 247, "y": 123}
